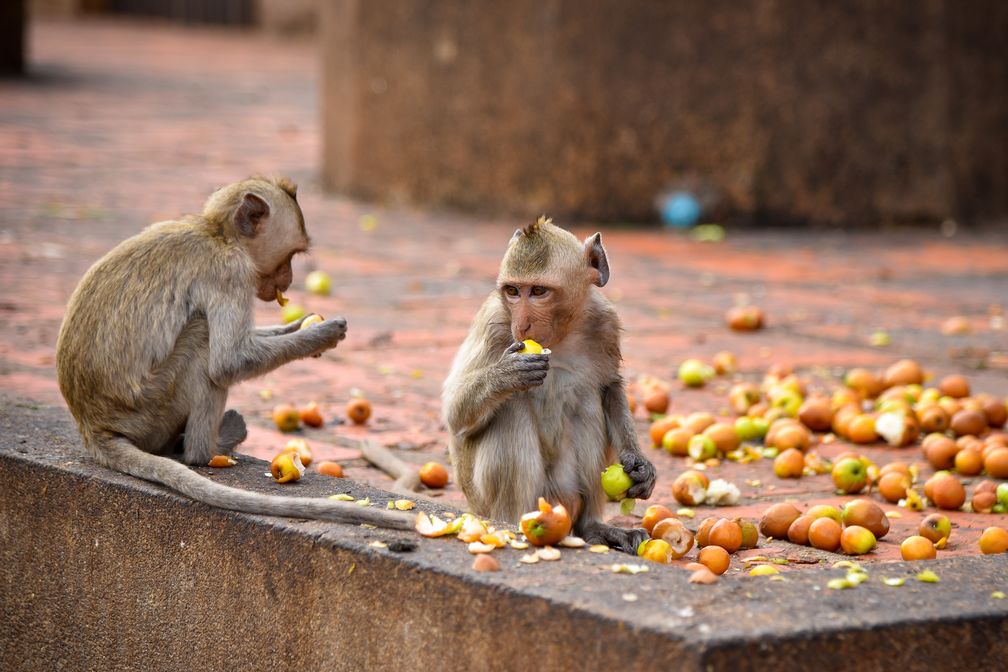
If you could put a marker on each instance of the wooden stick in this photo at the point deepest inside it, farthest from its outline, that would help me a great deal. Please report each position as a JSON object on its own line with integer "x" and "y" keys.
{"x": 407, "y": 477}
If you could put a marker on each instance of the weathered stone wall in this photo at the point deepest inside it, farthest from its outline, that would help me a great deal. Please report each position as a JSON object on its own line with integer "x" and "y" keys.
{"x": 837, "y": 112}
{"x": 288, "y": 17}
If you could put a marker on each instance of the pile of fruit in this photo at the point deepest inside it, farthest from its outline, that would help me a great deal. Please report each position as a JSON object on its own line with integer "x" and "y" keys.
{"x": 959, "y": 434}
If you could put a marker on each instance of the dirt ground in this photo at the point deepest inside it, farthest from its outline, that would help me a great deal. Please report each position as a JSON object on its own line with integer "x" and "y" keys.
{"x": 123, "y": 124}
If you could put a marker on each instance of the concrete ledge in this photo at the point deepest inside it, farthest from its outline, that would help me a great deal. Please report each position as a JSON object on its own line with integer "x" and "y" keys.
{"x": 99, "y": 571}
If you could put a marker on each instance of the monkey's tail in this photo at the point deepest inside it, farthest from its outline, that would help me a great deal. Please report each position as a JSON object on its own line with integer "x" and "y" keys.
{"x": 123, "y": 456}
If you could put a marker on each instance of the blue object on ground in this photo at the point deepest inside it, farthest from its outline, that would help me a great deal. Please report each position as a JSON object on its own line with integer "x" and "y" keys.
{"x": 680, "y": 210}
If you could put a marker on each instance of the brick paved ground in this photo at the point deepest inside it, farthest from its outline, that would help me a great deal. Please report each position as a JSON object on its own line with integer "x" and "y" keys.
{"x": 122, "y": 124}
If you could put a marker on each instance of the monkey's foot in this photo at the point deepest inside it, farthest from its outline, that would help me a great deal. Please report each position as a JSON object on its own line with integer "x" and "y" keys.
{"x": 232, "y": 431}
{"x": 618, "y": 538}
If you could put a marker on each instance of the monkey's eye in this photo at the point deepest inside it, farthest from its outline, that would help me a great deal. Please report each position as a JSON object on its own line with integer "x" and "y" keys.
{"x": 539, "y": 291}
{"x": 511, "y": 290}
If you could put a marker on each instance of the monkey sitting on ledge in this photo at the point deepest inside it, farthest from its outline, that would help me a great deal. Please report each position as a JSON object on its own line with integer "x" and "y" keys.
{"x": 159, "y": 329}
{"x": 525, "y": 426}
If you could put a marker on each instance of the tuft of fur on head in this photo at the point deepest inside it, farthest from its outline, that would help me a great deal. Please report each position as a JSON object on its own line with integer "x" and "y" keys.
{"x": 540, "y": 249}
{"x": 533, "y": 228}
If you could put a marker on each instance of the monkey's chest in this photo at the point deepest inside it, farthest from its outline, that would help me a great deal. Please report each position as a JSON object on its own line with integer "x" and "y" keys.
{"x": 567, "y": 411}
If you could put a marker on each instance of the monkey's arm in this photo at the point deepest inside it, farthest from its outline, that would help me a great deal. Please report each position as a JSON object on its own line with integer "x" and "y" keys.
{"x": 473, "y": 396}
{"x": 623, "y": 437}
{"x": 280, "y": 329}
{"x": 238, "y": 352}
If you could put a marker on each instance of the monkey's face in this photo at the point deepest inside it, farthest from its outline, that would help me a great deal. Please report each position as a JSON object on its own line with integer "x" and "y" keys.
{"x": 535, "y": 312}
{"x": 278, "y": 280}
{"x": 273, "y": 246}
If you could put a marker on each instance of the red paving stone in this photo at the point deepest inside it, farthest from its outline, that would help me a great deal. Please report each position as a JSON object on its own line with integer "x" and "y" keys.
{"x": 123, "y": 124}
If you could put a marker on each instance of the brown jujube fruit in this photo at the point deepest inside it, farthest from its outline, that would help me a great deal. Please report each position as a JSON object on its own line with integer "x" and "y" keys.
{"x": 798, "y": 531}
{"x": 777, "y": 519}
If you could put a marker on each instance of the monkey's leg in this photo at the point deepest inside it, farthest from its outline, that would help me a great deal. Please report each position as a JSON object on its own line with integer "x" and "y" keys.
{"x": 203, "y": 427}
{"x": 232, "y": 432}
{"x": 208, "y": 429}
{"x": 620, "y": 538}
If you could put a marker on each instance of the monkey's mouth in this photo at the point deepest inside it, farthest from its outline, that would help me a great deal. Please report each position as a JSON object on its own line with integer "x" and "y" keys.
{"x": 281, "y": 299}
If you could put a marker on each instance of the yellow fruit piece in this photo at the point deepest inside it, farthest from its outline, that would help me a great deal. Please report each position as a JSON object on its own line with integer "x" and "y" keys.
{"x": 763, "y": 570}
{"x": 404, "y": 504}
{"x": 287, "y": 467}
{"x": 531, "y": 347}
{"x": 281, "y": 299}
{"x": 311, "y": 320}
{"x": 222, "y": 461}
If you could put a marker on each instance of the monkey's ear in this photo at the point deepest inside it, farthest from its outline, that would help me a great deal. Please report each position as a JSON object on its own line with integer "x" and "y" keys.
{"x": 250, "y": 215}
{"x": 596, "y": 256}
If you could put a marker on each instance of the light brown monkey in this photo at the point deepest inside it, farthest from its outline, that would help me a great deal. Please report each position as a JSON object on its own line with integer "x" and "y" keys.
{"x": 523, "y": 426}
{"x": 159, "y": 329}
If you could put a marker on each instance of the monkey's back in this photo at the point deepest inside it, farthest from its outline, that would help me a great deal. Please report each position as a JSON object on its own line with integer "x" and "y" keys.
{"x": 125, "y": 317}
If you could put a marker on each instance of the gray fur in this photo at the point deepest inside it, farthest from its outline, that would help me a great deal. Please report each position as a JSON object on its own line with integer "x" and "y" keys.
{"x": 528, "y": 426}
{"x": 161, "y": 327}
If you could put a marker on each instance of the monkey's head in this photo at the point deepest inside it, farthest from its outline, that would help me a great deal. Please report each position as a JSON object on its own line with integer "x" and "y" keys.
{"x": 263, "y": 216}
{"x": 546, "y": 276}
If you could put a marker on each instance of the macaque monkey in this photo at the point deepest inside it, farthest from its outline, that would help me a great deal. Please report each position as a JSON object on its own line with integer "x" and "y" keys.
{"x": 524, "y": 426}
{"x": 161, "y": 327}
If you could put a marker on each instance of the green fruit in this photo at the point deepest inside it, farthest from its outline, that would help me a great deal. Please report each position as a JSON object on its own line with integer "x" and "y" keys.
{"x": 701, "y": 447}
{"x": 1002, "y": 494}
{"x": 317, "y": 282}
{"x": 789, "y": 402}
{"x": 694, "y": 373}
{"x": 291, "y": 313}
{"x": 850, "y": 475}
{"x": 746, "y": 429}
{"x": 615, "y": 482}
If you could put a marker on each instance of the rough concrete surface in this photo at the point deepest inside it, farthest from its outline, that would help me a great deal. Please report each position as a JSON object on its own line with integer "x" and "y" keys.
{"x": 104, "y": 572}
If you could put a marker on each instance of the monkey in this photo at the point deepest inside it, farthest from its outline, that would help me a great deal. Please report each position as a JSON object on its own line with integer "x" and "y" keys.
{"x": 523, "y": 426}
{"x": 161, "y": 326}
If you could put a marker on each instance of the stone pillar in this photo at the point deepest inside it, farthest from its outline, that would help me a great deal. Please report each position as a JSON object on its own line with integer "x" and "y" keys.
{"x": 858, "y": 112}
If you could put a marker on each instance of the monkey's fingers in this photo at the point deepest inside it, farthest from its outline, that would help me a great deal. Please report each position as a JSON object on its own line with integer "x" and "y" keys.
{"x": 517, "y": 346}
{"x": 641, "y": 490}
{"x": 529, "y": 364}
{"x": 631, "y": 539}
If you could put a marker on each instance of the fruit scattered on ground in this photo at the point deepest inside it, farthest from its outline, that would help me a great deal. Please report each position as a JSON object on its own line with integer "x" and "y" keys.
{"x": 547, "y": 526}
{"x": 329, "y": 468}
{"x": 714, "y": 558}
{"x": 434, "y": 475}
{"x": 358, "y": 410}
{"x": 917, "y": 548}
{"x": 286, "y": 467}
{"x": 311, "y": 415}
{"x": 286, "y": 417}
{"x": 994, "y": 540}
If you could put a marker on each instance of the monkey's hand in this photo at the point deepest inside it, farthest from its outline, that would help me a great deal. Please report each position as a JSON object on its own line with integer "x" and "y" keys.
{"x": 516, "y": 372}
{"x": 327, "y": 334}
{"x": 641, "y": 472}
